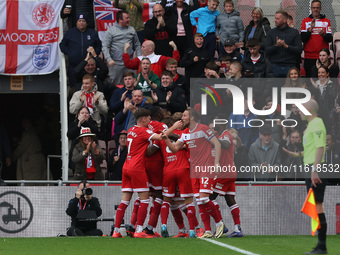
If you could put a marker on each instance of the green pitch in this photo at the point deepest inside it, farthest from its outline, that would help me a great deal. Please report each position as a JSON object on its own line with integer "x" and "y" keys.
{"x": 264, "y": 245}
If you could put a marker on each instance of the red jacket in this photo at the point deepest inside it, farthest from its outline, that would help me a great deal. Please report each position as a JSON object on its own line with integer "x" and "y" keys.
{"x": 157, "y": 62}
{"x": 313, "y": 42}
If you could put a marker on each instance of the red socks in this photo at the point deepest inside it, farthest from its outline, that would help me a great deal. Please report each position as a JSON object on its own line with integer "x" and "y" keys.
{"x": 142, "y": 211}
{"x": 134, "y": 212}
{"x": 155, "y": 212}
{"x": 235, "y": 212}
{"x": 165, "y": 212}
{"x": 191, "y": 214}
{"x": 178, "y": 217}
{"x": 120, "y": 213}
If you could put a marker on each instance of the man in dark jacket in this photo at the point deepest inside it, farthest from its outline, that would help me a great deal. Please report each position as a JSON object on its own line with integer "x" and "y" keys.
{"x": 283, "y": 43}
{"x": 76, "y": 43}
{"x": 94, "y": 65}
{"x": 119, "y": 95}
{"x": 72, "y": 8}
{"x": 160, "y": 31}
{"x": 169, "y": 96}
{"x": 83, "y": 206}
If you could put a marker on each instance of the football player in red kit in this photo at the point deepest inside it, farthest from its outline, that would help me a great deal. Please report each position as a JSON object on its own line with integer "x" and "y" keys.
{"x": 224, "y": 184}
{"x": 134, "y": 178}
{"x": 198, "y": 139}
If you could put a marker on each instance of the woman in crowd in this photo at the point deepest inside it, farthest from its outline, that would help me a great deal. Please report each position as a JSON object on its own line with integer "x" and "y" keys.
{"x": 88, "y": 156}
{"x": 294, "y": 79}
{"x": 83, "y": 119}
{"x": 257, "y": 28}
{"x": 146, "y": 80}
{"x": 325, "y": 60}
{"x": 179, "y": 15}
{"x": 326, "y": 93}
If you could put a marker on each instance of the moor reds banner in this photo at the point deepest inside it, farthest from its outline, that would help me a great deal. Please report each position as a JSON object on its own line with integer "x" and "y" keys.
{"x": 29, "y": 36}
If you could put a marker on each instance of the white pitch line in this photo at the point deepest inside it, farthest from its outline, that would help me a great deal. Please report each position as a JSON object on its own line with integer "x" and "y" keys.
{"x": 229, "y": 247}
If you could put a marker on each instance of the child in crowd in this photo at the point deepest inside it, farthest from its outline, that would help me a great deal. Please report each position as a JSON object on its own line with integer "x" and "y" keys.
{"x": 225, "y": 62}
{"x": 195, "y": 59}
{"x": 229, "y": 25}
{"x": 255, "y": 64}
{"x": 206, "y": 24}
{"x": 230, "y": 50}
{"x": 211, "y": 71}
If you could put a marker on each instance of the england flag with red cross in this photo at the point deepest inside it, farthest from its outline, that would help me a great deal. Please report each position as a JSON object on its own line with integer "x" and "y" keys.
{"x": 29, "y": 35}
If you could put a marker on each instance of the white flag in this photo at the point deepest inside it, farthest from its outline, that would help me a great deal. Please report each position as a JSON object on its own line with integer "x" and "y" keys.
{"x": 29, "y": 33}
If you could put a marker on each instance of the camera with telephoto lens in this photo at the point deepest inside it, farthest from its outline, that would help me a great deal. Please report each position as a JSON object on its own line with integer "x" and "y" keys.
{"x": 87, "y": 191}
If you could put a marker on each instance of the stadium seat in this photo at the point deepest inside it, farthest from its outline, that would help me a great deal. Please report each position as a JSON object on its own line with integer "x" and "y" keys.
{"x": 337, "y": 56}
{"x": 302, "y": 72}
{"x": 181, "y": 70}
{"x": 111, "y": 145}
{"x": 102, "y": 145}
{"x": 103, "y": 166}
{"x": 336, "y": 42}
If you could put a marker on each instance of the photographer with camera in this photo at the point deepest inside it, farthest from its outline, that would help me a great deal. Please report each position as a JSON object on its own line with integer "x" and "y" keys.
{"x": 84, "y": 209}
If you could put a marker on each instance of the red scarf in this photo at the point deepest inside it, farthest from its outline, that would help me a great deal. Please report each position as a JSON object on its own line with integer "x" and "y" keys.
{"x": 89, "y": 99}
{"x": 90, "y": 169}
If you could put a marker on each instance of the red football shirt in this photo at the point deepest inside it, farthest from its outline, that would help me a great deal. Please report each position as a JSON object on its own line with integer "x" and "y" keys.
{"x": 138, "y": 139}
{"x": 316, "y": 42}
{"x": 199, "y": 144}
{"x": 172, "y": 160}
{"x": 156, "y": 127}
{"x": 227, "y": 156}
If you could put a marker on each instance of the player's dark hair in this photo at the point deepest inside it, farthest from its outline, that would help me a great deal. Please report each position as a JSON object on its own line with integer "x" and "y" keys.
{"x": 140, "y": 113}
{"x": 156, "y": 111}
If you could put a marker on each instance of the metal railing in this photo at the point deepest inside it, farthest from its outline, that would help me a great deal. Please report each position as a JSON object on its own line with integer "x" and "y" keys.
{"x": 107, "y": 183}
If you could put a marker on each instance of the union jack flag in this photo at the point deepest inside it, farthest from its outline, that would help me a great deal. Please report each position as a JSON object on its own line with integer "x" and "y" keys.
{"x": 105, "y": 10}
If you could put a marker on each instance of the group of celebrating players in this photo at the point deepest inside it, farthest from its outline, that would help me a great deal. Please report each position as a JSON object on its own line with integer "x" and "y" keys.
{"x": 161, "y": 163}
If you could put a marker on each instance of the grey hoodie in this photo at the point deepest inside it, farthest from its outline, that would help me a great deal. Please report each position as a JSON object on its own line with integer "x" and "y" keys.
{"x": 230, "y": 26}
{"x": 257, "y": 155}
{"x": 114, "y": 41}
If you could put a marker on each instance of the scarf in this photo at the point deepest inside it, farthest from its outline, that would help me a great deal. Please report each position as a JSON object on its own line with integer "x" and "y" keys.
{"x": 90, "y": 169}
{"x": 89, "y": 101}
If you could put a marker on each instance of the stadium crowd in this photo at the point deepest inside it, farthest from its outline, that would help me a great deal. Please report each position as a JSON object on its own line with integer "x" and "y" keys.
{"x": 134, "y": 86}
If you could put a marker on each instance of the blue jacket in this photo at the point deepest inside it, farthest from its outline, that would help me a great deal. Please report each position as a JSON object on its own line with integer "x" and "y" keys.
{"x": 247, "y": 133}
{"x": 75, "y": 44}
{"x": 206, "y": 20}
{"x": 116, "y": 105}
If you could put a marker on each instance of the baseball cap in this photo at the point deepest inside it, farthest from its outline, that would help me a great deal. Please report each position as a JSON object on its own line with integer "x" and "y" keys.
{"x": 229, "y": 42}
{"x": 266, "y": 130}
